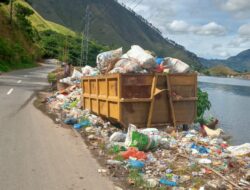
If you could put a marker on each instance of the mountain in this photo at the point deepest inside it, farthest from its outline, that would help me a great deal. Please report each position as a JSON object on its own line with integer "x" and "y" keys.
{"x": 239, "y": 62}
{"x": 112, "y": 24}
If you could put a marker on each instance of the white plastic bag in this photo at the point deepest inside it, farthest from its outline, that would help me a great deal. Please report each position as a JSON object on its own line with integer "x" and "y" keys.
{"x": 176, "y": 65}
{"x": 76, "y": 74}
{"x": 240, "y": 150}
{"x": 106, "y": 60}
{"x": 146, "y": 60}
{"x": 90, "y": 71}
{"x": 129, "y": 65}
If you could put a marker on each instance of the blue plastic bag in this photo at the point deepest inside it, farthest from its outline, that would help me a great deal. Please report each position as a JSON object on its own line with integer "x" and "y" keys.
{"x": 201, "y": 149}
{"x": 85, "y": 123}
{"x": 70, "y": 121}
{"x": 136, "y": 164}
{"x": 168, "y": 183}
{"x": 159, "y": 60}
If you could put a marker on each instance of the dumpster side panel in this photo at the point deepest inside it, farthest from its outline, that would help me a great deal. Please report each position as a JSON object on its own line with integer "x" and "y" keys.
{"x": 184, "y": 86}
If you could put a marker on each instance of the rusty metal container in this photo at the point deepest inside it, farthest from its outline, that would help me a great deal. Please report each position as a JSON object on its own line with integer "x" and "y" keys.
{"x": 145, "y": 100}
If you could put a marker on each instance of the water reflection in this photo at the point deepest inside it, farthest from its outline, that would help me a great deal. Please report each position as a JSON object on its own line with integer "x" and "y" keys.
{"x": 230, "y": 100}
{"x": 237, "y": 90}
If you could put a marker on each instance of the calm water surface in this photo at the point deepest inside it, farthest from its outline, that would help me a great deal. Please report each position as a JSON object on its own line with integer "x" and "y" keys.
{"x": 230, "y": 100}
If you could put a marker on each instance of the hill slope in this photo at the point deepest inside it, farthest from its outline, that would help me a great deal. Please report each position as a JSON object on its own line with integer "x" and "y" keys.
{"x": 16, "y": 50}
{"x": 240, "y": 62}
{"x": 111, "y": 24}
{"x": 221, "y": 70}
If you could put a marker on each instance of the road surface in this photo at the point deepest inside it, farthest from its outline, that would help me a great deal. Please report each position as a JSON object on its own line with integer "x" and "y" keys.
{"x": 36, "y": 154}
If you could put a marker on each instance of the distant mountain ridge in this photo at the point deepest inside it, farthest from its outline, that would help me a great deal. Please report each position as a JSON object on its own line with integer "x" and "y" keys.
{"x": 239, "y": 62}
{"x": 114, "y": 25}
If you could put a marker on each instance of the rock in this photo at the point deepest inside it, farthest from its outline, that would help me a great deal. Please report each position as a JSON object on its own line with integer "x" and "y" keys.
{"x": 102, "y": 171}
{"x": 117, "y": 188}
{"x": 92, "y": 137}
{"x": 184, "y": 178}
{"x": 114, "y": 162}
{"x": 152, "y": 183}
{"x": 90, "y": 129}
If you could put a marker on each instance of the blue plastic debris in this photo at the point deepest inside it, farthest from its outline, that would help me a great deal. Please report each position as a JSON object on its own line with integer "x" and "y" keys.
{"x": 200, "y": 149}
{"x": 70, "y": 121}
{"x": 136, "y": 164}
{"x": 85, "y": 123}
{"x": 167, "y": 182}
{"x": 159, "y": 60}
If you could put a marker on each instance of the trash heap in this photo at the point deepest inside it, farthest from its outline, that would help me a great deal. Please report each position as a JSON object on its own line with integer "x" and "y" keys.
{"x": 152, "y": 158}
{"x": 136, "y": 60}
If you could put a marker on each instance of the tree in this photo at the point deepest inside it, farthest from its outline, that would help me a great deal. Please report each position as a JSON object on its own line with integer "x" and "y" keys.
{"x": 22, "y": 13}
{"x": 5, "y": 1}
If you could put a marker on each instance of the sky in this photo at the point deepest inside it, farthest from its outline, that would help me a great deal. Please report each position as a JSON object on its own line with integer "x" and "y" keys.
{"x": 209, "y": 28}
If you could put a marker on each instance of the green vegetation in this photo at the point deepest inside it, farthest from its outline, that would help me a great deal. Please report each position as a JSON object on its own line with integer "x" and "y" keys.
{"x": 203, "y": 104}
{"x": 67, "y": 48}
{"x": 136, "y": 177}
{"x": 52, "y": 77}
{"x": 40, "y": 24}
{"x": 17, "y": 49}
{"x": 220, "y": 70}
{"x": 113, "y": 25}
{"x": 14, "y": 56}
{"x": 31, "y": 37}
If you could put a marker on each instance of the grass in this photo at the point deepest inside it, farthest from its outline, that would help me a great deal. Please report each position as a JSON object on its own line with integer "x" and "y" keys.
{"x": 41, "y": 24}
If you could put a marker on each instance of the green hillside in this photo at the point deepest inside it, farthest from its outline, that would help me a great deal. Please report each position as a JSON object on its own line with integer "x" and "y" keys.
{"x": 30, "y": 37}
{"x": 112, "y": 24}
{"x": 16, "y": 49}
{"x": 221, "y": 70}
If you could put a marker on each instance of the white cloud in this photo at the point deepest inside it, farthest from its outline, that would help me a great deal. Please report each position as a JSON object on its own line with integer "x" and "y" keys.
{"x": 237, "y": 5}
{"x": 179, "y": 26}
{"x": 244, "y": 31}
{"x": 210, "y": 29}
{"x": 240, "y": 8}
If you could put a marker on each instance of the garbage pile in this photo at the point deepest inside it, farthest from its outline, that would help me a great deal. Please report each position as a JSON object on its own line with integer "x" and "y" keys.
{"x": 136, "y": 60}
{"x": 152, "y": 158}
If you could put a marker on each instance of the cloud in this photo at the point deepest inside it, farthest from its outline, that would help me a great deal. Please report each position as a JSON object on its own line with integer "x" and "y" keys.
{"x": 216, "y": 46}
{"x": 240, "y": 8}
{"x": 244, "y": 31}
{"x": 242, "y": 38}
{"x": 179, "y": 26}
{"x": 210, "y": 29}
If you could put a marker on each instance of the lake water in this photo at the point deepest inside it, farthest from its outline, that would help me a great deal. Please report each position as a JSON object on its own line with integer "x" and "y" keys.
{"x": 230, "y": 100}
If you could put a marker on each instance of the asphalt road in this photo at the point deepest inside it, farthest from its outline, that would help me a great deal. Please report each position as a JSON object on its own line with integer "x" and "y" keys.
{"x": 35, "y": 153}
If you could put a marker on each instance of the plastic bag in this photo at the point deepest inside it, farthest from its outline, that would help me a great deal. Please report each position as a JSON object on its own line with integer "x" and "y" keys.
{"x": 129, "y": 65}
{"x": 240, "y": 150}
{"x": 146, "y": 60}
{"x": 106, "y": 60}
{"x": 142, "y": 139}
{"x": 136, "y": 164}
{"x": 76, "y": 74}
{"x": 117, "y": 137}
{"x": 85, "y": 123}
{"x": 176, "y": 65}
{"x": 133, "y": 152}
{"x": 90, "y": 71}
